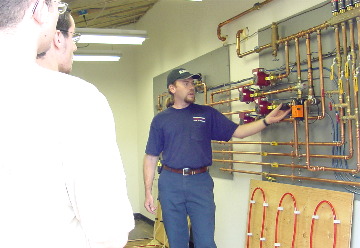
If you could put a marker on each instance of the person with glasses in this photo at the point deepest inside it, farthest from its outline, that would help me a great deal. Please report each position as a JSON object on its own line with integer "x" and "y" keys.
{"x": 60, "y": 56}
{"x": 62, "y": 181}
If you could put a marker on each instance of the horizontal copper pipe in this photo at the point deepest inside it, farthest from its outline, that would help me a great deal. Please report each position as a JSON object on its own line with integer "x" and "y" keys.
{"x": 293, "y": 166}
{"x": 224, "y": 101}
{"x": 293, "y": 177}
{"x": 256, "y": 6}
{"x": 230, "y": 89}
{"x": 346, "y": 157}
{"x": 256, "y": 153}
{"x": 333, "y": 21}
{"x": 238, "y": 112}
{"x": 275, "y": 143}
{"x": 279, "y": 91}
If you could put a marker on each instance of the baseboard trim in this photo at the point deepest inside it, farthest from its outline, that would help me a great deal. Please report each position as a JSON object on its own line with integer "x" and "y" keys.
{"x": 138, "y": 216}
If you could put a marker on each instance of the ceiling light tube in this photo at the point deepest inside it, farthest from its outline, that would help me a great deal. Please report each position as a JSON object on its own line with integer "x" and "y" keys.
{"x": 95, "y": 58}
{"x": 111, "y": 36}
{"x": 97, "y": 55}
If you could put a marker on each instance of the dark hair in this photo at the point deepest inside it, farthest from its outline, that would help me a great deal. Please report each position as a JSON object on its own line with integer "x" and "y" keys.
{"x": 64, "y": 23}
{"x": 12, "y": 12}
{"x": 170, "y": 100}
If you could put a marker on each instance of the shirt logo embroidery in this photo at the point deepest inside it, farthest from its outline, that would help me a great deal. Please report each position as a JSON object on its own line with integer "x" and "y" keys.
{"x": 201, "y": 119}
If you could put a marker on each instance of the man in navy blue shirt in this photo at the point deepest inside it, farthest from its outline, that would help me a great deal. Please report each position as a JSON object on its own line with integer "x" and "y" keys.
{"x": 183, "y": 134}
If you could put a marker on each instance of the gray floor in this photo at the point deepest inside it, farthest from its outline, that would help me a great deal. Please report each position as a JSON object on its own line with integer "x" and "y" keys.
{"x": 142, "y": 230}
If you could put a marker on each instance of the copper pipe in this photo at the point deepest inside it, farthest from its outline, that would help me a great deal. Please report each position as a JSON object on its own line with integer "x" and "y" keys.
{"x": 276, "y": 143}
{"x": 278, "y": 91}
{"x": 307, "y": 138}
{"x": 358, "y": 29}
{"x": 285, "y": 154}
{"x": 205, "y": 92}
{"x": 274, "y": 38}
{"x": 333, "y": 21}
{"x": 294, "y": 177}
{"x": 276, "y": 165}
{"x": 238, "y": 37}
{"x": 310, "y": 72}
{"x": 321, "y": 73}
{"x": 223, "y": 101}
{"x": 227, "y": 90}
{"x": 296, "y": 138}
{"x": 256, "y": 6}
{"x": 256, "y": 153}
{"x": 289, "y": 38}
{"x": 230, "y": 89}
{"x": 287, "y": 62}
{"x": 298, "y": 63}
{"x": 352, "y": 45}
{"x": 256, "y": 50}
{"x": 238, "y": 112}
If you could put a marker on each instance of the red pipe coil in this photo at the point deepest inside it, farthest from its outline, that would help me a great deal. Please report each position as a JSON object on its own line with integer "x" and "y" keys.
{"x": 295, "y": 219}
{"x": 263, "y": 218}
{"x": 313, "y": 221}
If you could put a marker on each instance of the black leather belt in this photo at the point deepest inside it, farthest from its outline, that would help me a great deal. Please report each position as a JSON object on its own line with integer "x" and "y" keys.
{"x": 186, "y": 171}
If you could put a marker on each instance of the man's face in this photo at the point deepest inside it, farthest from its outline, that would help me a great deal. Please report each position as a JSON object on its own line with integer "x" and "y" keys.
{"x": 184, "y": 90}
{"x": 67, "y": 51}
{"x": 48, "y": 25}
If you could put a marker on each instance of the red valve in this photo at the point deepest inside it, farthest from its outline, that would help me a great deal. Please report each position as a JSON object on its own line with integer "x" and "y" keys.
{"x": 260, "y": 77}
{"x": 246, "y": 94}
{"x": 262, "y": 106}
{"x": 337, "y": 117}
{"x": 245, "y": 117}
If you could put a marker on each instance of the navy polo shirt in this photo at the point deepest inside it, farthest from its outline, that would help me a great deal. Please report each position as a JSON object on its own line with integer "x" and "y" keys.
{"x": 184, "y": 135}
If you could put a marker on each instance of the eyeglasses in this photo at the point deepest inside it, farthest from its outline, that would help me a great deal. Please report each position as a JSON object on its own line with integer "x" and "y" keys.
{"x": 75, "y": 36}
{"x": 62, "y": 7}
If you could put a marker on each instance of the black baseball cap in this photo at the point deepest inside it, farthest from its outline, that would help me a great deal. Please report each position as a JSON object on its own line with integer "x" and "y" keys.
{"x": 180, "y": 73}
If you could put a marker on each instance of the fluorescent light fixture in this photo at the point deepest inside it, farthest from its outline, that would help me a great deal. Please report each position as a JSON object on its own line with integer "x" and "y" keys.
{"x": 93, "y": 58}
{"x": 100, "y": 56}
{"x": 111, "y": 36}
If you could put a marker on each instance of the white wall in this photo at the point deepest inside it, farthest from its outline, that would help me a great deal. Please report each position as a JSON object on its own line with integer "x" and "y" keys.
{"x": 117, "y": 82}
{"x": 180, "y": 31}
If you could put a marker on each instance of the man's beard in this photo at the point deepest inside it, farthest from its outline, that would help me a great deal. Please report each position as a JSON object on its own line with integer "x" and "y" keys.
{"x": 189, "y": 100}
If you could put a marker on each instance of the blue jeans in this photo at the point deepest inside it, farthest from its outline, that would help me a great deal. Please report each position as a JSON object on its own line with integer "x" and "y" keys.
{"x": 181, "y": 196}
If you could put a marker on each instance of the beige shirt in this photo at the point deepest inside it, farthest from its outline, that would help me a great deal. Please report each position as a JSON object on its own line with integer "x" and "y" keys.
{"x": 62, "y": 182}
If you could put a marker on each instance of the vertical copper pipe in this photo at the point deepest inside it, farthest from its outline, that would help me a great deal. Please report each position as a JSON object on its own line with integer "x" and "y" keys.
{"x": 343, "y": 31}
{"x": 287, "y": 61}
{"x": 238, "y": 34}
{"x": 205, "y": 92}
{"x": 297, "y": 48}
{"x": 340, "y": 86}
{"x": 307, "y": 137}
{"x": 358, "y": 29}
{"x": 352, "y": 45}
{"x": 274, "y": 38}
{"x": 296, "y": 138}
{"x": 309, "y": 63}
{"x": 321, "y": 73}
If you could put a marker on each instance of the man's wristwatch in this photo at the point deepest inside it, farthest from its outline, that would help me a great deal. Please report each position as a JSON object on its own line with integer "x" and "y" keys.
{"x": 265, "y": 123}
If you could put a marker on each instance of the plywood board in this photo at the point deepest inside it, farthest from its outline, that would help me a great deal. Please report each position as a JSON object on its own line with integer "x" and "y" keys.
{"x": 306, "y": 200}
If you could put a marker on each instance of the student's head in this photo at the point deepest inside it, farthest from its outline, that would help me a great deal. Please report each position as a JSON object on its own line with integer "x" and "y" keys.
{"x": 66, "y": 28}
{"x": 180, "y": 85}
{"x": 60, "y": 56}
